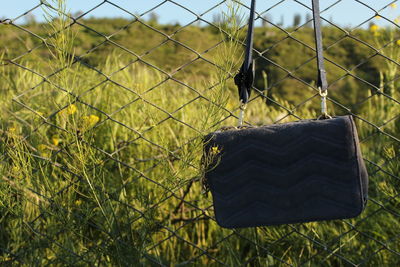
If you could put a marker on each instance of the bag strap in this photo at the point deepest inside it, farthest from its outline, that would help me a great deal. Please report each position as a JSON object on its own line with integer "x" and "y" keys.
{"x": 322, "y": 83}
{"x": 245, "y": 78}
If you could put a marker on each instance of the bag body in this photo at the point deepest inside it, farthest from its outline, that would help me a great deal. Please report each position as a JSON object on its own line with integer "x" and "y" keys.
{"x": 309, "y": 170}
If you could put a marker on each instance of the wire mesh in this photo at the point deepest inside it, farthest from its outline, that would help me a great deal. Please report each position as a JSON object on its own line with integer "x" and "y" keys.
{"x": 120, "y": 184}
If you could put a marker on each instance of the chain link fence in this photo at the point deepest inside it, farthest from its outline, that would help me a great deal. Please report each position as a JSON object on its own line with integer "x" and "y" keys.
{"x": 102, "y": 122}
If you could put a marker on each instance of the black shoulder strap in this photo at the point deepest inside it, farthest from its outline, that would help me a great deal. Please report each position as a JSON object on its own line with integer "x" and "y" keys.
{"x": 244, "y": 79}
{"x": 322, "y": 83}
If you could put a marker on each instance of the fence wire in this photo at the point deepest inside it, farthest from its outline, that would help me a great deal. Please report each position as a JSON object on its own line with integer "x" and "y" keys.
{"x": 117, "y": 204}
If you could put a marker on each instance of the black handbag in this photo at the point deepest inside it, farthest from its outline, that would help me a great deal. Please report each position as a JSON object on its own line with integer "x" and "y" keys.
{"x": 309, "y": 170}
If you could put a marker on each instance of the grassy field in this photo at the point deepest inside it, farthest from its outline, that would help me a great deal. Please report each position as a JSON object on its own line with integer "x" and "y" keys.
{"x": 100, "y": 162}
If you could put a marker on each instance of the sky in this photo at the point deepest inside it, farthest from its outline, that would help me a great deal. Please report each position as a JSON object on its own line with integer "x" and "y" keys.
{"x": 346, "y": 13}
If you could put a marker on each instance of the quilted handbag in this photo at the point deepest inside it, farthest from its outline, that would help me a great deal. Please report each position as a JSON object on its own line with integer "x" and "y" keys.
{"x": 309, "y": 170}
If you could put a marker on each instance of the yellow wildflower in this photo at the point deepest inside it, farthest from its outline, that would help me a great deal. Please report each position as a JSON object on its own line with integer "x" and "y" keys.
{"x": 71, "y": 109}
{"x": 90, "y": 121}
{"x": 394, "y": 5}
{"x": 397, "y": 20}
{"x": 78, "y": 202}
{"x": 374, "y": 28}
{"x": 42, "y": 147}
{"x": 378, "y": 17}
{"x": 398, "y": 42}
{"x": 230, "y": 106}
{"x": 55, "y": 140}
{"x": 215, "y": 150}
{"x": 12, "y": 130}
{"x": 98, "y": 161}
{"x": 94, "y": 119}
{"x": 15, "y": 169}
{"x": 390, "y": 152}
{"x": 43, "y": 150}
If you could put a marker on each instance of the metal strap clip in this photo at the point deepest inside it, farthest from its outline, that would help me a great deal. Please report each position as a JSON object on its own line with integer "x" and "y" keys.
{"x": 241, "y": 113}
{"x": 324, "y": 109}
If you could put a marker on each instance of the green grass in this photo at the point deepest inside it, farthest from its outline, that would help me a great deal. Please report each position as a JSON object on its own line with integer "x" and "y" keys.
{"x": 125, "y": 148}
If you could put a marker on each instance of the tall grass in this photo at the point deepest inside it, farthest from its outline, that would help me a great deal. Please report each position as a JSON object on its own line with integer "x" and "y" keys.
{"x": 103, "y": 168}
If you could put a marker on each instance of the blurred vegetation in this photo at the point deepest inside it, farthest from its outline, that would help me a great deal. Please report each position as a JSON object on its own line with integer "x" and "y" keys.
{"x": 122, "y": 141}
{"x": 288, "y": 51}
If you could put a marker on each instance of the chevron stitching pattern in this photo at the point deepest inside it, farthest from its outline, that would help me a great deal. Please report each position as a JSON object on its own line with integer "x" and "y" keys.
{"x": 290, "y": 170}
{"x": 293, "y": 144}
{"x": 267, "y": 206}
{"x": 256, "y": 184}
